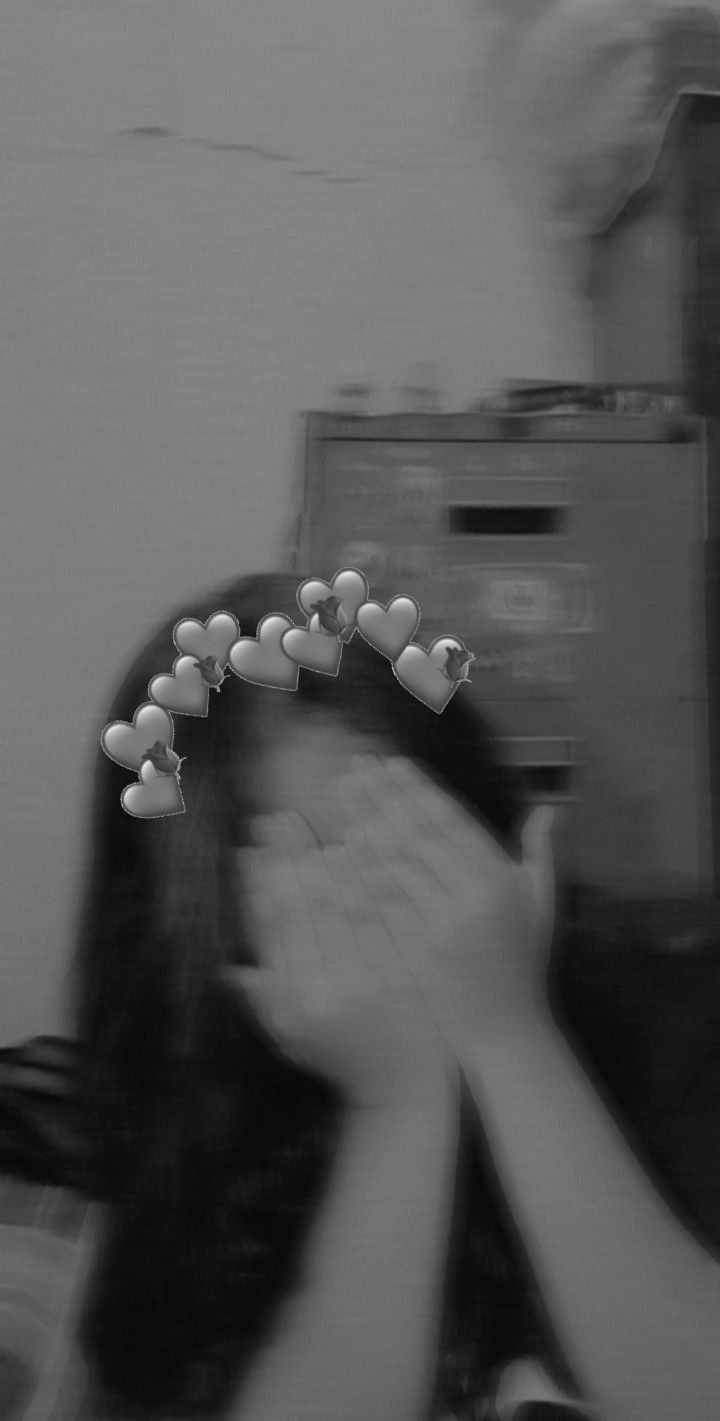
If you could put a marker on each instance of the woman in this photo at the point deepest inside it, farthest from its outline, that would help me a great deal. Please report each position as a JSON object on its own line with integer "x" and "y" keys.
{"x": 277, "y": 1169}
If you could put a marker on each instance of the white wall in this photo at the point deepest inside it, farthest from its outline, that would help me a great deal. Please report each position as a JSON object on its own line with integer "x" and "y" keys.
{"x": 324, "y": 193}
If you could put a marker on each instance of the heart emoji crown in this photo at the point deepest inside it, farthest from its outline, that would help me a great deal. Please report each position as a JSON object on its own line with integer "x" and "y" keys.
{"x": 273, "y": 657}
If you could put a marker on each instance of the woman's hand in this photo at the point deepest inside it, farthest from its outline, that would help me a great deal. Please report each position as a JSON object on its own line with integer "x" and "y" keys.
{"x": 331, "y": 988}
{"x": 473, "y": 926}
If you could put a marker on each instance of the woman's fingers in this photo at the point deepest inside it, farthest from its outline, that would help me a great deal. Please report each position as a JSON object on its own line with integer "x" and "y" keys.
{"x": 371, "y": 794}
{"x": 448, "y": 892}
{"x": 288, "y": 834}
{"x": 359, "y": 916}
{"x": 413, "y": 820}
{"x": 362, "y": 897}
{"x": 324, "y": 885}
{"x": 402, "y": 870}
{"x": 361, "y": 811}
{"x": 443, "y": 817}
{"x": 299, "y": 899}
{"x": 276, "y": 879}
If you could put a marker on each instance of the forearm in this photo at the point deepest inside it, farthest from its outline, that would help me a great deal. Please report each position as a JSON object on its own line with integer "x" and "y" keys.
{"x": 358, "y": 1342}
{"x": 635, "y": 1300}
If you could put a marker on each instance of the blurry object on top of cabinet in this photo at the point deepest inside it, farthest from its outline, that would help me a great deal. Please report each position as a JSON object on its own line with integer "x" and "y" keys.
{"x": 528, "y": 396}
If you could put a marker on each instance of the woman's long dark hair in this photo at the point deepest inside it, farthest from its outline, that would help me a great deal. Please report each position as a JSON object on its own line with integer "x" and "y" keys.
{"x": 212, "y": 1149}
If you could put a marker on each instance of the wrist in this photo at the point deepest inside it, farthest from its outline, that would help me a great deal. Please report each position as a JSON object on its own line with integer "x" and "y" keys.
{"x": 431, "y": 1087}
{"x": 521, "y": 1038}
{"x": 488, "y": 1012}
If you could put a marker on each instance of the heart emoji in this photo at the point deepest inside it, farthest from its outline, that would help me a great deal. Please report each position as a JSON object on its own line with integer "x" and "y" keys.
{"x": 389, "y": 629}
{"x": 313, "y": 648}
{"x": 261, "y": 659}
{"x": 183, "y": 691}
{"x": 422, "y": 672}
{"x": 126, "y": 744}
{"x": 344, "y": 595}
{"x": 154, "y": 797}
{"x": 213, "y": 638}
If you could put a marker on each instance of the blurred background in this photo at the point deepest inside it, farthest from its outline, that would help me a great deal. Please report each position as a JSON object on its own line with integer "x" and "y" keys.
{"x": 216, "y": 216}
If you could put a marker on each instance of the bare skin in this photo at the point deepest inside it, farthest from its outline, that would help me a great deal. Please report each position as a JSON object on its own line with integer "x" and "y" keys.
{"x": 429, "y": 899}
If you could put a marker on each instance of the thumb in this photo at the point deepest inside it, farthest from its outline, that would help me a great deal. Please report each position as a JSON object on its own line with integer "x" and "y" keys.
{"x": 539, "y": 859}
{"x": 266, "y": 992}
